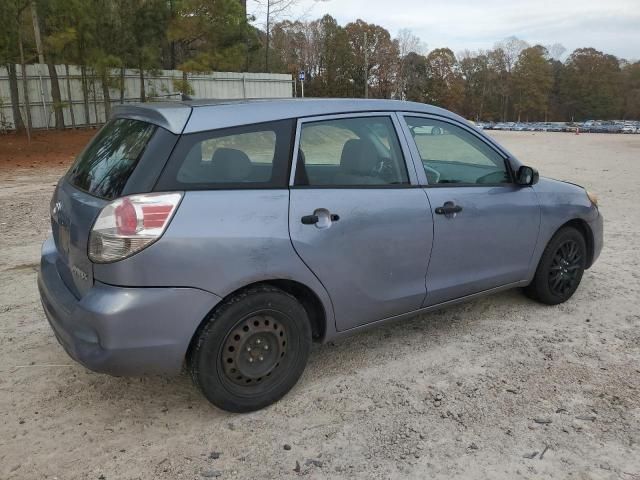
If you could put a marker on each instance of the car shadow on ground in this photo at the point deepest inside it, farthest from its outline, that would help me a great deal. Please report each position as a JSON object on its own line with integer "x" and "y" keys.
{"x": 368, "y": 348}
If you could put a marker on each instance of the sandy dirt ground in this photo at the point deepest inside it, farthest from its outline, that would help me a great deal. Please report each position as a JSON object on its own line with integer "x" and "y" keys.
{"x": 497, "y": 388}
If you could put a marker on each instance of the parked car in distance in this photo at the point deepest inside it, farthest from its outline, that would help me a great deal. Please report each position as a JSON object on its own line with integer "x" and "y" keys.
{"x": 227, "y": 236}
{"x": 629, "y": 128}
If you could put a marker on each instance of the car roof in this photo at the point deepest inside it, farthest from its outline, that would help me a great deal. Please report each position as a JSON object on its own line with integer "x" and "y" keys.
{"x": 201, "y": 115}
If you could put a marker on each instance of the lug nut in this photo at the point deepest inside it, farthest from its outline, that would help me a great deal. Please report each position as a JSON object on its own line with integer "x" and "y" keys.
{"x": 258, "y": 341}
{"x": 266, "y": 347}
{"x": 261, "y": 358}
{"x": 248, "y": 349}
{"x": 250, "y": 359}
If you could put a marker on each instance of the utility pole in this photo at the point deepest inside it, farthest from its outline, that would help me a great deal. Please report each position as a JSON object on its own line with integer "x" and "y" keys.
{"x": 366, "y": 67}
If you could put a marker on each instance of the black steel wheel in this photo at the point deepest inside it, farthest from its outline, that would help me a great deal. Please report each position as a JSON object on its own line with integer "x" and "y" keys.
{"x": 560, "y": 269}
{"x": 252, "y": 350}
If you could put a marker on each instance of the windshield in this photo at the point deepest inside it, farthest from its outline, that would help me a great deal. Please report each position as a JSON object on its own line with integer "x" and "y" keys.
{"x": 104, "y": 167}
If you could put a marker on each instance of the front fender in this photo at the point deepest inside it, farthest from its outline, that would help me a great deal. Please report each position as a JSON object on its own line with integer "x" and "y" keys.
{"x": 560, "y": 203}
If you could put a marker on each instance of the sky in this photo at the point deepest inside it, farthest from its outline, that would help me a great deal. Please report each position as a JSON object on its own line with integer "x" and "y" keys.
{"x": 612, "y": 26}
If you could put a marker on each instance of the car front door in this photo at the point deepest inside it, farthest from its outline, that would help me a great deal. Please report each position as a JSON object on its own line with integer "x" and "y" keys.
{"x": 358, "y": 218}
{"x": 485, "y": 225}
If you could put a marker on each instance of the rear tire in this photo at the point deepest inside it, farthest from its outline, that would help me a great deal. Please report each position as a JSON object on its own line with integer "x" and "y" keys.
{"x": 252, "y": 349}
{"x": 560, "y": 269}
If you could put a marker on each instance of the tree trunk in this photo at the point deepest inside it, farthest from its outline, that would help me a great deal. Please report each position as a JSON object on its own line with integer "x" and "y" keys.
{"x": 25, "y": 86}
{"x": 143, "y": 97}
{"x": 121, "y": 85}
{"x": 56, "y": 97}
{"x": 95, "y": 97}
{"x": 69, "y": 98}
{"x": 482, "y": 100}
{"x": 266, "y": 50}
{"x": 85, "y": 93}
{"x": 172, "y": 44}
{"x": 18, "y": 123}
{"x": 106, "y": 95}
{"x": 505, "y": 114}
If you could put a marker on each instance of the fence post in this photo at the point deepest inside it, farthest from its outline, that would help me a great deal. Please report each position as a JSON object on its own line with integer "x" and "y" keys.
{"x": 244, "y": 85}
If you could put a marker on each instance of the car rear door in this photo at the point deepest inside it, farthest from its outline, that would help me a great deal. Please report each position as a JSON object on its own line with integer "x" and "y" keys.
{"x": 485, "y": 226}
{"x": 357, "y": 217}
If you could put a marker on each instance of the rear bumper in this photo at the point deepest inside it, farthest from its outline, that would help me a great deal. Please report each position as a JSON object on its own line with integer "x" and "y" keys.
{"x": 597, "y": 229}
{"x": 122, "y": 330}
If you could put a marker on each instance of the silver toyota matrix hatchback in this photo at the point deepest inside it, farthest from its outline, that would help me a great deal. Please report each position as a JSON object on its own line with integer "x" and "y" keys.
{"x": 227, "y": 236}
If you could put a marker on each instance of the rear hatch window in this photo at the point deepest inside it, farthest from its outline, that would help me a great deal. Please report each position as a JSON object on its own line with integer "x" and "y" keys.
{"x": 104, "y": 167}
{"x": 98, "y": 176}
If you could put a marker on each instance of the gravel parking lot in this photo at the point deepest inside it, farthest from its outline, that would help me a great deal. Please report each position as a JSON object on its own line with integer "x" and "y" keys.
{"x": 496, "y": 388}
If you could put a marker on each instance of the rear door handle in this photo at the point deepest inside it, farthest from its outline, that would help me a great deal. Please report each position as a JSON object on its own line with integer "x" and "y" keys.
{"x": 448, "y": 208}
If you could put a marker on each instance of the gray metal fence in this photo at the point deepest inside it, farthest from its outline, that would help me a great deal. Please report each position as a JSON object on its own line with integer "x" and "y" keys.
{"x": 159, "y": 85}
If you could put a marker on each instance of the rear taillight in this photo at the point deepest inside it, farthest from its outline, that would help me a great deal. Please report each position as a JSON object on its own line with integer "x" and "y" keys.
{"x": 130, "y": 224}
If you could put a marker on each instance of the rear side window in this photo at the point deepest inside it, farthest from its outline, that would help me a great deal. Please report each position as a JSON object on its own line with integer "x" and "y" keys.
{"x": 255, "y": 156}
{"x": 350, "y": 152}
{"x": 104, "y": 167}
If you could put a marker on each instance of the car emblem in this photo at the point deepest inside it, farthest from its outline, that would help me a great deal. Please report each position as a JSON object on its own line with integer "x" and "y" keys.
{"x": 78, "y": 273}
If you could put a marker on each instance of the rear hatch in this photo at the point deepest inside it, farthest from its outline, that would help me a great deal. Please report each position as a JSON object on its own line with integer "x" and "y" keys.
{"x": 98, "y": 176}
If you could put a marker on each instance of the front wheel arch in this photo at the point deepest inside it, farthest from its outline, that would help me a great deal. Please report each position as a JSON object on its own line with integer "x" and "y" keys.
{"x": 584, "y": 228}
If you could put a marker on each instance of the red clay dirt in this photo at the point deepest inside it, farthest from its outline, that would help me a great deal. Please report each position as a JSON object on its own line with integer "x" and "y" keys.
{"x": 46, "y": 149}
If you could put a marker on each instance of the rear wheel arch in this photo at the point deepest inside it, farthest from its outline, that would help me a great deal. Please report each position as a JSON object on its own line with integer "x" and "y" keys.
{"x": 309, "y": 300}
{"x": 302, "y": 293}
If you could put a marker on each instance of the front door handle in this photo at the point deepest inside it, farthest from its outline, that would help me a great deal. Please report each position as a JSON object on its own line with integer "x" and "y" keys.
{"x": 449, "y": 208}
{"x": 315, "y": 218}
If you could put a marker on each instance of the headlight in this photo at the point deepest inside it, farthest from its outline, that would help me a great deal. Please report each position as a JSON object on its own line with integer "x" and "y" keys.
{"x": 593, "y": 198}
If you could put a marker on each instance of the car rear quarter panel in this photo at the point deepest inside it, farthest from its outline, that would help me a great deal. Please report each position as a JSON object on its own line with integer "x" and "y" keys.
{"x": 560, "y": 202}
{"x": 221, "y": 241}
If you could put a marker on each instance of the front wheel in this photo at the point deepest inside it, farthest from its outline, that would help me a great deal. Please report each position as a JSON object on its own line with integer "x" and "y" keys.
{"x": 560, "y": 269}
{"x": 252, "y": 350}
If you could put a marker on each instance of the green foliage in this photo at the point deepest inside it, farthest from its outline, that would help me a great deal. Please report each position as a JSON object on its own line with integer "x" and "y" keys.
{"x": 631, "y": 88}
{"x": 210, "y": 34}
{"x": 532, "y": 82}
{"x": 511, "y": 81}
{"x": 12, "y": 20}
{"x": 182, "y": 86}
{"x": 445, "y": 85}
{"x": 592, "y": 85}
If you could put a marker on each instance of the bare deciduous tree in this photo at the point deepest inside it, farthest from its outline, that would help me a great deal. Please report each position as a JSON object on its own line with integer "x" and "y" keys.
{"x": 511, "y": 46}
{"x": 274, "y": 11}
{"x": 556, "y": 50}
{"x": 407, "y": 43}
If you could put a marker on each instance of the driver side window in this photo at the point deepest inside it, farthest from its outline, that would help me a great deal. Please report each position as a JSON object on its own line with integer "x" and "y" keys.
{"x": 451, "y": 155}
{"x": 350, "y": 152}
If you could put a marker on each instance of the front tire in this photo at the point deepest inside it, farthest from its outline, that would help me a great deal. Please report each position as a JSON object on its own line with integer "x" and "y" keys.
{"x": 560, "y": 269}
{"x": 252, "y": 350}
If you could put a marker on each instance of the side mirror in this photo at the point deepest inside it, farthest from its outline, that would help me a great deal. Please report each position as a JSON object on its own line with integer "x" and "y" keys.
{"x": 527, "y": 176}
